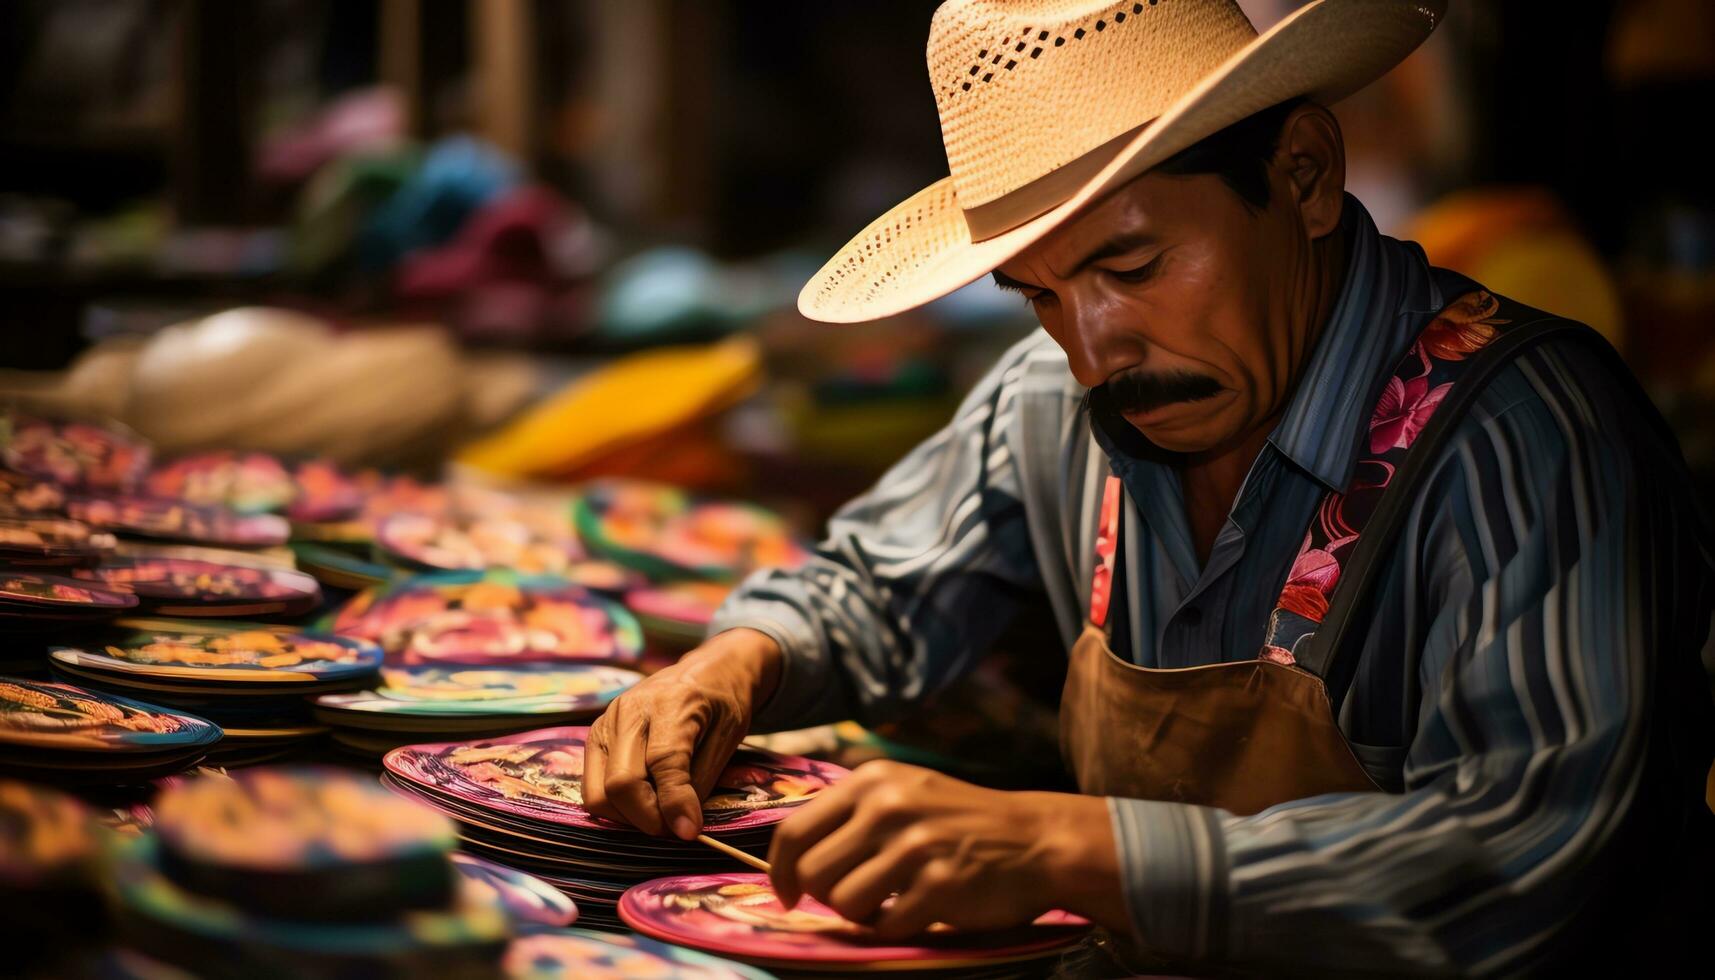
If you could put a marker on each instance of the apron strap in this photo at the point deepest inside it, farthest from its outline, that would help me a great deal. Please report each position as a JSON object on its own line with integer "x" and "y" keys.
{"x": 1319, "y": 653}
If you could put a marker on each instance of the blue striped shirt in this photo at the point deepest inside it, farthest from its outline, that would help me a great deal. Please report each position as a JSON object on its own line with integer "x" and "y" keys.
{"x": 1533, "y": 668}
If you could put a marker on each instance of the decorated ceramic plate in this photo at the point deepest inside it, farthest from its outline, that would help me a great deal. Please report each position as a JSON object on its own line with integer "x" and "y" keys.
{"x": 296, "y": 819}
{"x": 50, "y": 541}
{"x": 527, "y": 899}
{"x": 666, "y": 533}
{"x": 737, "y": 914}
{"x": 48, "y": 715}
{"x": 246, "y": 482}
{"x": 335, "y": 567}
{"x": 689, "y": 604}
{"x": 22, "y": 495}
{"x": 79, "y": 455}
{"x": 52, "y": 592}
{"x": 205, "y": 583}
{"x": 539, "y": 775}
{"x": 564, "y": 954}
{"x": 492, "y": 618}
{"x": 323, "y": 492}
{"x": 178, "y": 521}
{"x": 526, "y": 689}
{"x": 454, "y": 545}
{"x": 242, "y": 653}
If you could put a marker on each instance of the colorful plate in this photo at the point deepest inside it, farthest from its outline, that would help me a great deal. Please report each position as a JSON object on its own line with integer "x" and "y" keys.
{"x": 323, "y": 493}
{"x": 666, "y": 534}
{"x": 539, "y": 775}
{"x": 42, "y": 541}
{"x": 22, "y": 495}
{"x": 176, "y": 521}
{"x": 246, "y": 482}
{"x": 737, "y": 915}
{"x": 193, "y": 583}
{"x": 572, "y": 954}
{"x": 52, "y": 594}
{"x": 527, "y": 899}
{"x": 493, "y": 618}
{"x": 449, "y": 544}
{"x": 80, "y": 455}
{"x": 48, "y": 715}
{"x": 528, "y": 689}
{"x": 240, "y": 653}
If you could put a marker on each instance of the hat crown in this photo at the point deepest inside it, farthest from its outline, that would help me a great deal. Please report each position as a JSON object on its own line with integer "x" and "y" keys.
{"x": 1025, "y": 87}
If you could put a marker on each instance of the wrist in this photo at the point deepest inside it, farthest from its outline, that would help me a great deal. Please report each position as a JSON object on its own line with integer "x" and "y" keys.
{"x": 1081, "y": 867}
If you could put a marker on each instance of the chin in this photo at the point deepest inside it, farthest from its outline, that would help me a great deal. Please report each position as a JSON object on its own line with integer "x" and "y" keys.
{"x": 1180, "y": 440}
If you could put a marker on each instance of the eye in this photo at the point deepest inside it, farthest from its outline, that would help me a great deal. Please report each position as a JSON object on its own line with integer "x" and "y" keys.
{"x": 1142, "y": 273}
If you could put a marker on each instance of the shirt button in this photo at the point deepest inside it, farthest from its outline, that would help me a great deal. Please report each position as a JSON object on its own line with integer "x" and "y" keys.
{"x": 1191, "y": 616}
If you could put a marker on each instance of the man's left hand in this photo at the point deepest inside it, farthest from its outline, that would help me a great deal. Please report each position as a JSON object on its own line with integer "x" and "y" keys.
{"x": 971, "y": 857}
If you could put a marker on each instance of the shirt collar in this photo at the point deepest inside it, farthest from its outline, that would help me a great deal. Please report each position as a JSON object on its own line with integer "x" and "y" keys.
{"x": 1387, "y": 291}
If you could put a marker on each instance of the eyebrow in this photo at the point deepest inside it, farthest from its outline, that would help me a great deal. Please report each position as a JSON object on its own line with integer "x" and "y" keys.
{"x": 1117, "y": 245}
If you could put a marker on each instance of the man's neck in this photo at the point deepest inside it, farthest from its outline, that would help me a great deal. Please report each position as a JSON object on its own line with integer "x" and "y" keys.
{"x": 1210, "y": 480}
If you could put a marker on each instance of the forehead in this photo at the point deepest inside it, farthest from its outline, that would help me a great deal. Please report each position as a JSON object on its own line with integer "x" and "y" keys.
{"x": 1153, "y": 205}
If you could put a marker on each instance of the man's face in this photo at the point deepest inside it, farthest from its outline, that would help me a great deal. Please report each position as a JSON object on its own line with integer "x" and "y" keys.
{"x": 1188, "y": 305}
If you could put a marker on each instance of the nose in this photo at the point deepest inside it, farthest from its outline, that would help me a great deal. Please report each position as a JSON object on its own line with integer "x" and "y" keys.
{"x": 1099, "y": 337}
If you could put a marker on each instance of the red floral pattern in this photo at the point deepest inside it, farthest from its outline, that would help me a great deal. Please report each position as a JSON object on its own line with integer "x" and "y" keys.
{"x": 1419, "y": 385}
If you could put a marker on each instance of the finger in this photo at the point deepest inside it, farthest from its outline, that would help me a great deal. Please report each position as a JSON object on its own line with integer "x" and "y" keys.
{"x": 824, "y": 869}
{"x": 800, "y": 831}
{"x": 925, "y": 900}
{"x": 669, "y": 760}
{"x": 713, "y": 753}
{"x": 595, "y": 769}
{"x": 627, "y": 784}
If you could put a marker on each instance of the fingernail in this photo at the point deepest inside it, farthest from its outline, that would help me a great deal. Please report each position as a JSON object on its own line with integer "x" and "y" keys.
{"x": 685, "y": 827}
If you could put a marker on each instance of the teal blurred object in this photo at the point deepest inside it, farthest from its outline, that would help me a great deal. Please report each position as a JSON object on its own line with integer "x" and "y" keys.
{"x": 679, "y": 293}
{"x": 337, "y": 202}
{"x": 458, "y": 175}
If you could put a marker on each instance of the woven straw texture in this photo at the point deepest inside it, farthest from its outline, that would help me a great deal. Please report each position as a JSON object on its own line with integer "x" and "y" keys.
{"x": 1191, "y": 66}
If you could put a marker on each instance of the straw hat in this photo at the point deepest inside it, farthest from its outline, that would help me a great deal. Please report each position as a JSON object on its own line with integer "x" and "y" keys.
{"x": 1047, "y": 105}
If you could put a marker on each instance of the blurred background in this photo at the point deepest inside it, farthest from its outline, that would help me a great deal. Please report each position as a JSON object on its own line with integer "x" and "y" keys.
{"x": 542, "y": 241}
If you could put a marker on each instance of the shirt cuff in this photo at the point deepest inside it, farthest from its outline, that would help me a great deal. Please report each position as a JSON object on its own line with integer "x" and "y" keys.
{"x": 807, "y": 692}
{"x": 1173, "y": 857}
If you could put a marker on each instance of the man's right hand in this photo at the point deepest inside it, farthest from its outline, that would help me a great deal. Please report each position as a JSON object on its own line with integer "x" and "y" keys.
{"x": 656, "y": 752}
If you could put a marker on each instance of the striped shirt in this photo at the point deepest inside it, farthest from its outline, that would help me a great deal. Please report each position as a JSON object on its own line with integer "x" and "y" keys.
{"x": 1533, "y": 664}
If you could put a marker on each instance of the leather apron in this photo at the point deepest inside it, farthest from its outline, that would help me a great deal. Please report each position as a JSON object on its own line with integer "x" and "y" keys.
{"x": 1246, "y": 735}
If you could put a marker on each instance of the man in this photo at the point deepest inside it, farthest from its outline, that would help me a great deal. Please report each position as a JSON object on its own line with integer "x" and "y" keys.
{"x": 1383, "y": 595}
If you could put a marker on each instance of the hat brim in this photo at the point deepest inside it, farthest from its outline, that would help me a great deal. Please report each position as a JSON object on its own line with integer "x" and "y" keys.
{"x": 922, "y": 250}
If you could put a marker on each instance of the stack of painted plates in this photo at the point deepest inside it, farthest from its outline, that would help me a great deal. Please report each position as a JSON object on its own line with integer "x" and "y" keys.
{"x": 251, "y": 678}
{"x": 436, "y": 701}
{"x": 51, "y": 542}
{"x": 667, "y": 534}
{"x": 34, "y": 603}
{"x": 737, "y": 915}
{"x": 574, "y": 954}
{"x": 49, "y": 847}
{"x": 492, "y": 619}
{"x": 306, "y": 872}
{"x": 79, "y": 455}
{"x": 53, "y": 732}
{"x": 519, "y": 800}
{"x": 173, "y": 520}
{"x": 206, "y": 582}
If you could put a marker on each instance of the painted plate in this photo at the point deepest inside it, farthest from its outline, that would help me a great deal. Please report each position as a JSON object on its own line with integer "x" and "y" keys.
{"x": 691, "y": 604}
{"x": 665, "y": 533}
{"x": 22, "y": 495}
{"x": 323, "y": 492}
{"x": 456, "y": 545}
{"x": 527, "y": 689}
{"x": 80, "y": 455}
{"x": 49, "y": 715}
{"x": 244, "y": 654}
{"x": 493, "y": 618}
{"x": 53, "y": 593}
{"x": 204, "y": 582}
{"x": 564, "y": 954}
{"x": 246, "y": 482}
{"x": 178, "y": 521}
{"x": 737, "y": 915}
{"x": 527, "y": 899}
{"x": 51, "y": 540}
{"x": 296, "y": 819}
{"x": 539, "y": 775}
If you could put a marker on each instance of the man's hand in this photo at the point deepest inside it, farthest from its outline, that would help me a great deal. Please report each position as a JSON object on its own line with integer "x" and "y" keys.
{"x": 956, "y": 853}
{"x": 656, "y": 752}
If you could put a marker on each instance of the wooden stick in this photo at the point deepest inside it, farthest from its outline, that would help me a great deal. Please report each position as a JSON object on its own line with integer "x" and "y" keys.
{"x": 733, "y": 852}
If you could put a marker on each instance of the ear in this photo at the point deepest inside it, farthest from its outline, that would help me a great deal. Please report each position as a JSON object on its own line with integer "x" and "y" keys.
{"x": 1313, "y": 153}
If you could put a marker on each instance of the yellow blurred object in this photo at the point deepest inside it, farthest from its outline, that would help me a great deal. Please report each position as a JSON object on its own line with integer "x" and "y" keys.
{"x": 632, "y": 402}
{"x": 1521, "y": 243}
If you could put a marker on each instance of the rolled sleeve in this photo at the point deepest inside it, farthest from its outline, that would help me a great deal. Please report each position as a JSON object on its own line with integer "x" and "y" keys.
{"x": 1174, "y": 861}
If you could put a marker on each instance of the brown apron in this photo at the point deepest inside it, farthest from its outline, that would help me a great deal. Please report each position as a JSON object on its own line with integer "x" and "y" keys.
{"x": 1239, "y": 736}
{"x": 1248, "y": 735}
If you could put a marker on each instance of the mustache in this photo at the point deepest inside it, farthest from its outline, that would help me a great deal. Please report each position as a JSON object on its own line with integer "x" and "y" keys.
{"x": 1141, "y": 391}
